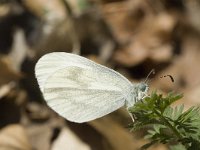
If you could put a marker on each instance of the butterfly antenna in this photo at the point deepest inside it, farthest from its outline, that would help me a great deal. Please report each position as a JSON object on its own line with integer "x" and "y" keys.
{"x": 147, "y": 78}
{"x": 171, "y": 77}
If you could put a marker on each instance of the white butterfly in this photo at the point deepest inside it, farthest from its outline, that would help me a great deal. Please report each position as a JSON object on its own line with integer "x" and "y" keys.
{"x": 81, "y": 90}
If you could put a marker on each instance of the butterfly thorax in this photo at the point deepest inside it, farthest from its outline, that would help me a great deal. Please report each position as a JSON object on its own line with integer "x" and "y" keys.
{"x": 138, "y": 92}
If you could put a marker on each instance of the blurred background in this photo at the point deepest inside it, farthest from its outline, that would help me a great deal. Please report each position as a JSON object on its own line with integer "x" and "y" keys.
{"x": 130, "y": 36}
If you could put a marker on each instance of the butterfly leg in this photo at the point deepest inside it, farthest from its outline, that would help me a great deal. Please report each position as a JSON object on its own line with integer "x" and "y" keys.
{"x": 131, "y": 116}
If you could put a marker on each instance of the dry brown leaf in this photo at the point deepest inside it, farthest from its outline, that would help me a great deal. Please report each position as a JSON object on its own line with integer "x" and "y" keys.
{"x": 116, "y": 14}
{"x": 131, "y": 56}
{"x": 13, "y": 137}
{"x": 125, "y": 17}
{"x": 58, "y": 26}
{"x": 9, "y": 8}
{"x": 119, "y": 137}
{"x": 37, "y": 112}
{"x": 40, "y": 135}
{"x": 49, "y": 11}
{"x": 67, "y": 140}
{"x": 193, "y": 11}
{"x": 151, "y": 41}
{"x": 5, "y": 89}
{"x": 191, "y": 97}
{"x": 7, "y": 73}
{"x": 4, "y": 10}
{"x": 116, "y": 135}
{"x": 162, "y": 54}
{"x": 19, "y": 50}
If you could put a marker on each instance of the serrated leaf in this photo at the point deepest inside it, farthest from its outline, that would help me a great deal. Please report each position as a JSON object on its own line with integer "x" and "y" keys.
{"x": 168, "y": 112}
{"x": 152, "y": 132}
{"x": 178, "y": 111}
{"x": 157, "y": 128}
{"x": 169, "y": 124}
{"x": 178, "y": 147}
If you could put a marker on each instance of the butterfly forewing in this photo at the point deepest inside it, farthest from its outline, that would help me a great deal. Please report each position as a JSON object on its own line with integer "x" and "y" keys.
{"x": 50, "y": 63}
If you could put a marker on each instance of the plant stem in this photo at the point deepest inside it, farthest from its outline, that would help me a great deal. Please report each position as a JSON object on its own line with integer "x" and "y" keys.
{"x": 174, "y": 130}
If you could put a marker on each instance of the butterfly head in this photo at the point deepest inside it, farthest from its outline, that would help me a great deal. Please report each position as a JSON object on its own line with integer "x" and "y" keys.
{"x": 138, "y": 92}
{"x": 142, "y": 89}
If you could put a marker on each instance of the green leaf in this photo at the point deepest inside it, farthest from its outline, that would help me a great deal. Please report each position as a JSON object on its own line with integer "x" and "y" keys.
{"x": 178, "y": 111}
{"x": 167, "y": 124}
{"x": 178, "y": 147}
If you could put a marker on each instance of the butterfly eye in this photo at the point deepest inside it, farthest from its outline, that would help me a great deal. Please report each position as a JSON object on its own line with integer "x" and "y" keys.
{"x": 143, "y": 87}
